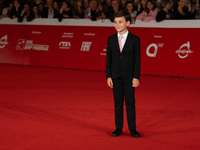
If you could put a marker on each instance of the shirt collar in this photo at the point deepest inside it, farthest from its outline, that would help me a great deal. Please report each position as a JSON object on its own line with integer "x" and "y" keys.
{"x": 124, "y": 35}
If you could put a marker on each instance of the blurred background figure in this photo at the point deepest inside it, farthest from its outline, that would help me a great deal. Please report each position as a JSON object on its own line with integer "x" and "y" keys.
{"x": 26, "y": 13}
{"x": 78, "y": 10}
{"x": 193, "y": 6}
{"x": 6, "y": 10}
{"x": 149, "y": 13}
{"x": 130, "y": 8}
{"x": 36, "y": 11}
{"x": 182, "y": 10}
{"x": 65, "y": 11}
{"x": 55, "y": 5}
{"x": 101, "y": 15}
{"x": 114, "y": 8}
{"x": 91, "y": 12}
{"x": 141, "y": 6}
{"x": 85, "y": 4}
{"x": 49, "y": 11}
{"x": 165, "y": 11}
{"x": 41, "y": 9}
{"x": 122, "y": 4}
{"x": 16, "y": 9}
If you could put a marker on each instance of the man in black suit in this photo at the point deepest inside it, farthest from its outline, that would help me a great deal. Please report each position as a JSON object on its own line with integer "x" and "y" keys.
{"x": 49, "y": 11}
{"x": 114, "y": 8}
{"x": 123, "y": 71}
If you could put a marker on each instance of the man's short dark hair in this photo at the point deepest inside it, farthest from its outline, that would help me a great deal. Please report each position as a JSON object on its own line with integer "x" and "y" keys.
{"x": 123, "y": 13}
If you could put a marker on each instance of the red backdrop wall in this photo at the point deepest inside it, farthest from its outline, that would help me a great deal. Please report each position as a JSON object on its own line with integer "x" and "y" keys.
{"x": 164, "y": 51}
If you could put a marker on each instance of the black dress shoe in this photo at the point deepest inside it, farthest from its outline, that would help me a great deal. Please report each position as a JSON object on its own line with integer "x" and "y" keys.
{"x": 134, "y": 133}
{"x": 117, "y": 132}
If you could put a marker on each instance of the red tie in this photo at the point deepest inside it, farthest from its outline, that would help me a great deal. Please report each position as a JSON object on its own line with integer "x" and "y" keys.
{"x": 120, "y": 42}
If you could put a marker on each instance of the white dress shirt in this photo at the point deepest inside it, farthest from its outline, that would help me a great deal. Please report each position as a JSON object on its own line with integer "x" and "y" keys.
{"x": 124, "y": 39}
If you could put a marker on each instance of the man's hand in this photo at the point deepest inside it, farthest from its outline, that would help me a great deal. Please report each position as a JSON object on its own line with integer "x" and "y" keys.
{"x": 23, "y": 11}
{"x": 135, "y": 83}
{"x": 110, "y": 82}
{"x": 168, "y": 16}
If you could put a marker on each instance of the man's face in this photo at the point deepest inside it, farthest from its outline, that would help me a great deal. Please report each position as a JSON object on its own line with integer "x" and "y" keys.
{"x": 129, "y": 7}
{"x": 26, "y": 7}
{"x": 55, "y": 5}
{"x": 93, "y": 4}
{"x": 121, "y": 24}
{"x": 16, "y": 3}
{"x": 168, "y": 6}
{"x": 49, "y": 3}
{"x": 35, "y": 9}
{"x": 181, "y": 3}
{"x": 115, "y": 4}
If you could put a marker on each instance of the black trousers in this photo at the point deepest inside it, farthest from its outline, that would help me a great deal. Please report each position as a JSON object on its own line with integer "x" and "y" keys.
{"x": 122, "y": 89}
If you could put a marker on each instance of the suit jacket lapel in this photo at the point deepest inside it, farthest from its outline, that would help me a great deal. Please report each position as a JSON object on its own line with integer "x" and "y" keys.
{"x": 126, "y": 43}
{"x": 116, "y": 43}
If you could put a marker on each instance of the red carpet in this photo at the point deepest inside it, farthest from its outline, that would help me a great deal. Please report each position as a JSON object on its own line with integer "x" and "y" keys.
{"x": 62, "y": 109}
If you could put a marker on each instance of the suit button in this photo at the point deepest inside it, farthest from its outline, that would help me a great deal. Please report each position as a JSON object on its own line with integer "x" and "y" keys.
{"x": 120, "y": 57}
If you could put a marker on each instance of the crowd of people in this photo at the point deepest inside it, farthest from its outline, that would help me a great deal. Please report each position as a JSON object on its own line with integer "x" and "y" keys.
{"x": 144, "y": 10}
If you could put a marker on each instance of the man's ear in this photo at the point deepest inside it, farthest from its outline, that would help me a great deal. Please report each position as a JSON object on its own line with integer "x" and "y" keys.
{"x": 128, "y": 23}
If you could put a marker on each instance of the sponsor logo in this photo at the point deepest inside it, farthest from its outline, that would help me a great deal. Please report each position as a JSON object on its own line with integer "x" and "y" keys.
{"x": 64, "y": 45}
{"x": 3, "y": 41}
{"x": 20, "y": 44}
{"x": 184, "y": 50}
{"x": 28, "y": 45}
{"x": 36, "y": 32}
{"x": 67, "y": 35}
{"x": 158, "y": 36}
{"x": 86, "y": 46}
{"x": 89, "y": 34}
{"x": 155, "y": 47}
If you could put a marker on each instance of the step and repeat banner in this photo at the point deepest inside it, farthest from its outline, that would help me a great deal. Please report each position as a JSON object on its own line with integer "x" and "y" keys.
{"x": 164, "y": 51}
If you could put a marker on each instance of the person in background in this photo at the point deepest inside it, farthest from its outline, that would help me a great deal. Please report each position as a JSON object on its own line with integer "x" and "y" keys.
{"x": 6, "y": 10}
{"x": 78, "y": 10}
{"x": 26, "y": 13}
{"x": 85, "y": 4}
{"x": 101, "y": 15}
{"x": 135, "y": 3}
{"x": 158, "y": 2}
{"x": 122, "y": 4}
{"x": 130, "y": 8}
{"x": 165, "y": 11}
{"x": 149, "y": 13}
{"x": 16, "y": 9}
{"x": 41, "y": 9}
{"x": 91, "y": 12}
{"x": 55, "y": 5}
{"x": 141, "y": 6}
{"x": 49, "y": 11}
{"x": 106, "y": 7}
{"x": 36, "y": 11}
{"x": 65, "y": 11}
{"x": 193, "y": 7}
{"x": 114, "y": 9}
{"x": 181, "y": 12}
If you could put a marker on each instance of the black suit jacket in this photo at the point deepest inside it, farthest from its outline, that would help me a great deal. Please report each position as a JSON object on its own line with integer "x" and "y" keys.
{"x": 46, "y": 11}
{"x": 125, "y": 64}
